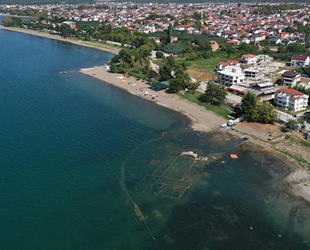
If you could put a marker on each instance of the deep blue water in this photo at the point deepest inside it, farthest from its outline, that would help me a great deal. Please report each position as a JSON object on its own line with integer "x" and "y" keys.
{"x": 77, "y": 154}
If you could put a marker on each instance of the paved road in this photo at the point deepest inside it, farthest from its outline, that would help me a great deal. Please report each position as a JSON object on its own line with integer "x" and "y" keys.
{"x": 154, "y": 66}
{"x": 233, "y": 98}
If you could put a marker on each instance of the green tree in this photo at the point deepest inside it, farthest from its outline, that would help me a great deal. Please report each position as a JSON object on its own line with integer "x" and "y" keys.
{"x": 267, "y": 114}
{"x": 296, "y": 48}
{"x": 197, "y": 15}
{"x": 206, "y": 46}
{"x": 166, "y": 69}
{"x": 65, "y": 30}
{"x": 197, "y": 25}
{"x": 281, "y": 49}
{"x": 256, "y": 111}
{"x": 215, "y": 94}
{"x": 176, "y": 84}
{"x": 306, "y": 117}
{"x": 249, "y": 106}
{"x": 290, "y": 125}
{"x": 159, "y": 54}
{"x": 169, "y": 32}
{"x": 248, "y": 48}
{"x": 175, "y": 73}
{"x": 186, "y": 21}
{"x": 9, "y": 21}
{"x": 265, "y": 43}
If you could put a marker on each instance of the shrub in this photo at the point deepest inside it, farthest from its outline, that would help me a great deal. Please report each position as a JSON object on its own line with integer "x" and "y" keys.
{"x": 159, "y": 54}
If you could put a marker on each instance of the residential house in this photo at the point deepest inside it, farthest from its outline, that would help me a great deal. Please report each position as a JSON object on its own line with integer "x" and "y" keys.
{"x": 223, "y": 65}
{"x": 72, "y": 25}
{"x": 233, "y": 42}
{"x": 183, "y": 27}
{"x": 300, "y": 61}
{"x": 291, "y": 99}
{"x": 290, "y": 78}
{"x": 249, "y": 59}
{"x": 274, "y": 41}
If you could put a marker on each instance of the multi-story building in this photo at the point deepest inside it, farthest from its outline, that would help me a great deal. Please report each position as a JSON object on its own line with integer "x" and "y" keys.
{"x": 231, "y": 75}
{"x": 253, "y": 72}
{"x": 290, "y": 78}
{"x": 291, "y": 99}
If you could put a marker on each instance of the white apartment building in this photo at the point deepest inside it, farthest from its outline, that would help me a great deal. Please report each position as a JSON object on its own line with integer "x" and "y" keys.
{"x": 291, "y": 99}
{"x": 231, "y": 75}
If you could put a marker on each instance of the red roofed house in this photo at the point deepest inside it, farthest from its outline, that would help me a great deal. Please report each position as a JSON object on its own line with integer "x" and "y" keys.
{"x": 223, "y": 65}
{"x": 233, "y": 42}
{"x": 183, "y": 27}
{"x": 249, "y": 59}
{"x": 72, "y": 25}
{"x": 291, "y": 99}
{"x": 290, "y": 78}
{"x": 300, "y": 61}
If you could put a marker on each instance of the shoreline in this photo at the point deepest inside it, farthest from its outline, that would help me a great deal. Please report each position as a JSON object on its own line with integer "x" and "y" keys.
{"x": 298, "y": 178}
{"x": 201, "y": 119}
{"x": 102, "y": 47}
{"x": 297, "y": 181}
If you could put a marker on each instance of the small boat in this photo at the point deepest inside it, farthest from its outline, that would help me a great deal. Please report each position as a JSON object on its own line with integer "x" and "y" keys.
{"x": 233, "y": 156}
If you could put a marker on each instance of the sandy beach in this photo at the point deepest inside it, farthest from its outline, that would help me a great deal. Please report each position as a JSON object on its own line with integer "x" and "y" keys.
{"x": 98, "y": 46}
{"x": 202, "y": 120}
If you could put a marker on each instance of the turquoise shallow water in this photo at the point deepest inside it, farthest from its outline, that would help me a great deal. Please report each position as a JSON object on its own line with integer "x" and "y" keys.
{"x": 58, "y": 191}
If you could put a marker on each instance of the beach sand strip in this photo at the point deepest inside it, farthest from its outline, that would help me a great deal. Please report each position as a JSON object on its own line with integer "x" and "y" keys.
{"x": 202, "y": 119}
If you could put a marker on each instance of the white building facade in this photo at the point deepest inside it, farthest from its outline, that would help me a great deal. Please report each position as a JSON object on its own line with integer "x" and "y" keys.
{"x": 249, "y": 59}
{"x": 291, "y": 99}
{"x": 231, "y": 75}
{"x": 290, "y": 78}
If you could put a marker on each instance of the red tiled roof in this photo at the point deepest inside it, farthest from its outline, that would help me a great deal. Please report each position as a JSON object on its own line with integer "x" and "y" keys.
{"x": 290, "y": 92}
{"x": 249, "y": 55}
{"x": 232, "y": 42}
{"x": 290, "y": 74}
{"x": 233, "y": 62}
{"x": 299, "y": 57}
{"x": 222, "y": 63}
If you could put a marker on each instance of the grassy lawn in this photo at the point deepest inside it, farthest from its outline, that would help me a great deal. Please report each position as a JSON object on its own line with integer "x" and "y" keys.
{"x": 203, "y": 68}
{"x": 193, "y": 97}
{"x": 209, "y": 64}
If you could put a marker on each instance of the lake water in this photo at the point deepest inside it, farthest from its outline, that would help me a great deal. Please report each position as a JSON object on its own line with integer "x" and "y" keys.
{"x": 84, "y": 165}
